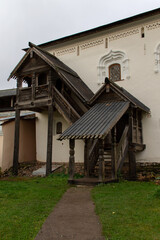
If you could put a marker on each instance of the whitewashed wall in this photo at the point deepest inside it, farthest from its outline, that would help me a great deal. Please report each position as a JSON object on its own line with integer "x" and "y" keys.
{"x": 60, "y": 149}
{"x": 143, "y": 70}
{"x": 1, "y": 149}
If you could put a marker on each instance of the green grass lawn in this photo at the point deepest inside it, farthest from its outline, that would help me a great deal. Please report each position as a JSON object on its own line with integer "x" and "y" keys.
{"x": 129, "y": 210}
{"x": 25, "y": 204}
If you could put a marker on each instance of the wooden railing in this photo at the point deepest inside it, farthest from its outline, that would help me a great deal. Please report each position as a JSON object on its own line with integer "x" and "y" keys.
{"x": 122, "y": 149}
{"x": 93, "y": 155}
{"x": 30, "y": 93}
{"x": 25, "y": 94}
{"x": 63, "y": 105}
{"x": 41, "y": 91}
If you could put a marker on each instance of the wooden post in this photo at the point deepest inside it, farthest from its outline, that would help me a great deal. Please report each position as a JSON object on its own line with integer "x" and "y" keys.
{"x": 101, "y": 160}
{"x": 132, "y": 164}
{"x": 86, "y": 158}
{"x": 33, "y": 86}
{"x": 16, "y": 142}
{"x": 114, "y": 157}
{"x": 49, "y": 141}
{"x": 132, "y": 157}
{"x": 50, "y": 77}
{"x": 71, "y": 159}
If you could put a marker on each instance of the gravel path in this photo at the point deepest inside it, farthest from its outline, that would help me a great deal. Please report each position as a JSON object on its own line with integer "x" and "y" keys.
{"x": 73, "y": 218}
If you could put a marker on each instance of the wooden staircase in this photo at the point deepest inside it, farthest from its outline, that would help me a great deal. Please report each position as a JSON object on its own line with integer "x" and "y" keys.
{"x": 117, "y": 155}
{"x": 64, "y": 107}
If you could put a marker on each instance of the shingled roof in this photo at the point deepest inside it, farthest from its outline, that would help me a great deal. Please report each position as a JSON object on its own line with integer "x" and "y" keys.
{"x": 123, "y": 93}
{"x": 69, "y": 76}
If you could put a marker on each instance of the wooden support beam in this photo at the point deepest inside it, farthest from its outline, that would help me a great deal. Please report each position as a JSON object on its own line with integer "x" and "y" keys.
{"x": 132, "y": 164}
{"x": 49, "y": 140}
{"x": 50, "y": 77}
{"x": 71, "y": 158}
{"x": 131, "y": 125}
{"x": 114, "y": 156}
{"x": 101, "y": 161}
{"x": 16, "y": 142}
{"x": 131, "y": 152}
{"x": 33, "y": 86}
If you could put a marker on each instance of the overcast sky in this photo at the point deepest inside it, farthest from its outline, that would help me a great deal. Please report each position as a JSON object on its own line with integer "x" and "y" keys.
{"x": 40, "y": 21}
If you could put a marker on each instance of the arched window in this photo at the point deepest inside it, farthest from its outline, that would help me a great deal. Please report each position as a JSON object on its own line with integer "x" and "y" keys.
{"x": 115, "y": 72}
{"x": 59, "y": 128}
{"x": 113, "y": 62}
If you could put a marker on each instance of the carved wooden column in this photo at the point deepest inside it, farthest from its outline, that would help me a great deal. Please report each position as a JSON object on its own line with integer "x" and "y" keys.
{"x": 86, "y": 158}
{"x": 16, "y": 142}
{"x": 101, "y": 160}
{"x": 71, "y": 158}
{"x": 33, "y": 86}
{"x": 132, "y": 156}
{"x": 114, "y": 152}
{"x": 49, "y": 140}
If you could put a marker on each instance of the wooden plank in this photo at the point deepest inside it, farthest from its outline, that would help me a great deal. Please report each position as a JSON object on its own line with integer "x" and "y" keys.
{"x": 71, "y": 159}
{"x": 16, "y": 142}
{"x": 131, "y": 153}
{"x": 101, "y": 160}
{"x": 49, "y": 140}
{"x": 114, "y": 157}
{"x": 132, "y": 164}
{"x": 33, "y": 86}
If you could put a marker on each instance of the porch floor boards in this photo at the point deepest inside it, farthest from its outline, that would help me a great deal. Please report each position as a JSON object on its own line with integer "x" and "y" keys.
{"x": 91, "y": 181}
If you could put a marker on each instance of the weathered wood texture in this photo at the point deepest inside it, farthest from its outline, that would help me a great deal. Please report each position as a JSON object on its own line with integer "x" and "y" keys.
{"x": 49, "y": 140}
{"x": 71, "y": 159}
{"x": 114, "y": 152}
{"x": 63, "y": 105}
{"x": 132, "y": 164}
{"x": 131, "y": 153}
{"x": 16, "y": 143}
{"x": 101, "y": 160}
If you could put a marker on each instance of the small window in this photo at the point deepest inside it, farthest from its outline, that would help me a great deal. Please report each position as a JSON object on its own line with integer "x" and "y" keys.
{"x": 59, "y": 128}
{"x": 115, "y": 72}
{"x": 106, "y": 43}
{"x": 142, "y": 32}
{"x": 42, "y": 79}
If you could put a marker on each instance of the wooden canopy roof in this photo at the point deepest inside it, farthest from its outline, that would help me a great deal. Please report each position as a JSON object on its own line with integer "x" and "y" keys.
{"x": 69, "y": 76}
{"x": 122, "y": 93}
{"x": 97, "y": 122}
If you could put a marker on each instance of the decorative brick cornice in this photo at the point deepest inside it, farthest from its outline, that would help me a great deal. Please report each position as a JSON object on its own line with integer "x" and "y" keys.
{"x": 153, "y": 25}
{"x": 124, "y": 34}
{"x": 65, "y": 51}
{"x": 91, "y": 43}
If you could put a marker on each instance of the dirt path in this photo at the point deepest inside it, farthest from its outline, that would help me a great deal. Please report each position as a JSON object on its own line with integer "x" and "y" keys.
{"x": 73, "y": 218}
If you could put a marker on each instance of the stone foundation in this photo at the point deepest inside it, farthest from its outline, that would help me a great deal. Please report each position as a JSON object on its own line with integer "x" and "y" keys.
{"x": 79, "y": 168}
{"x": 145, "y": 170}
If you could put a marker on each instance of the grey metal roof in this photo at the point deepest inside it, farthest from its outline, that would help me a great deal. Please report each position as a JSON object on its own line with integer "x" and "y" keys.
{"x": 30, "y": 115}
{"x": 97, "y": 122}
{"x": 8, "y": 92}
